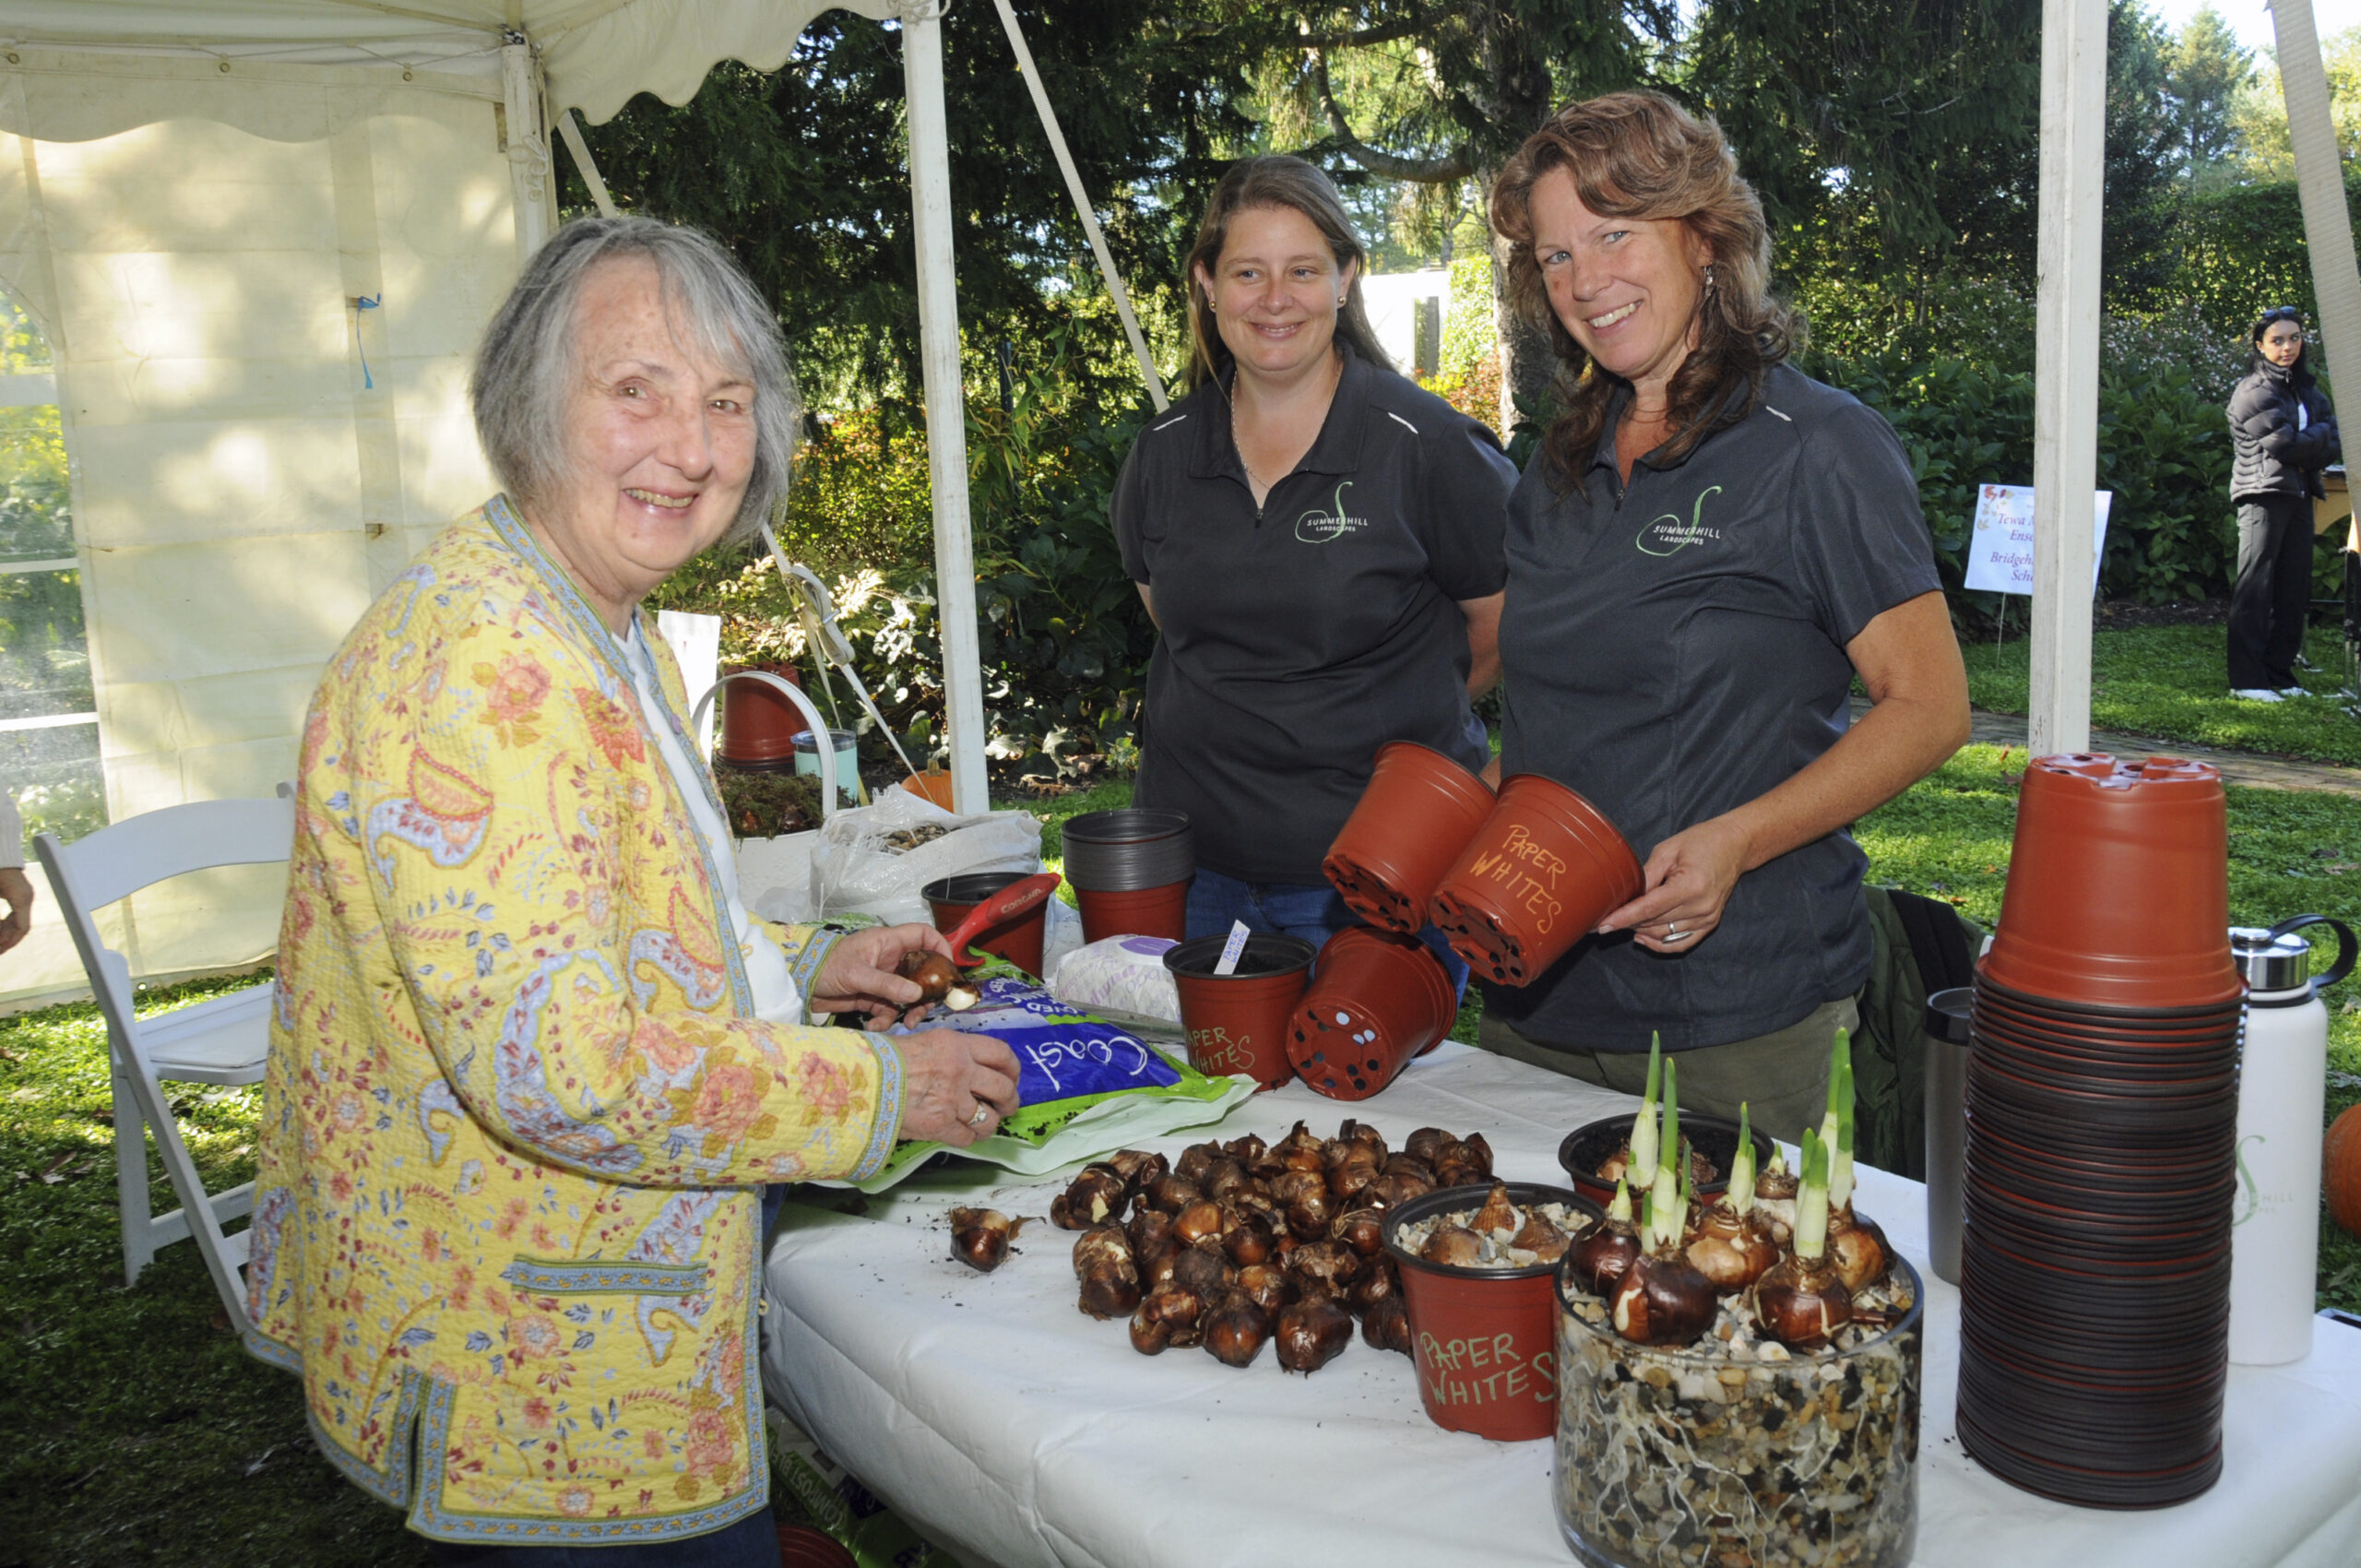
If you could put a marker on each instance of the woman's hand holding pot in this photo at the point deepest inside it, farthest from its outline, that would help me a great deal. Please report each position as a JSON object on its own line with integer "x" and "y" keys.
{"x": 955, "y": 1087}
{"x": 861, "y": 973}
{"x": 1687, "y": 883}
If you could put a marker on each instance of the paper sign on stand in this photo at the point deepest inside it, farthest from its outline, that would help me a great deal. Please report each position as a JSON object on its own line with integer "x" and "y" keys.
{"x": 2000, "y": 559}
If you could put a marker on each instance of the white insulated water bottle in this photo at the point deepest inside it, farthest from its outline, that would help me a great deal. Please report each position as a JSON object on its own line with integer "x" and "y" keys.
{"x": 2283, "y": 1079}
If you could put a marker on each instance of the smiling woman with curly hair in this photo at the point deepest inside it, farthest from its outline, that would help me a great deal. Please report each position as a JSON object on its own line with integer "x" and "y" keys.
{"x": 1705, "y": 554}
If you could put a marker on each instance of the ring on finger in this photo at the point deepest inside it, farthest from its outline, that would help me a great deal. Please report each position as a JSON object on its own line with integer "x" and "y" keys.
{"x": 983, "y": 1114}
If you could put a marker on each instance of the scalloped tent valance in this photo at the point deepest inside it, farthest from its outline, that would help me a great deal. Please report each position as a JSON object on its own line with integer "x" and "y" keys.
{"x": 595, "y": 54}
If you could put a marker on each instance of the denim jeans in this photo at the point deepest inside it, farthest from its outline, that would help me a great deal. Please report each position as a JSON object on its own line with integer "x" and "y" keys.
{"x": 752, "y": 1542}
{"x": 1315, "y": 914}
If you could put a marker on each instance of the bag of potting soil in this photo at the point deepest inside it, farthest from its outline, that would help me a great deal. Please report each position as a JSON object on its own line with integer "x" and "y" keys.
{"x": 1085, "y": 1087}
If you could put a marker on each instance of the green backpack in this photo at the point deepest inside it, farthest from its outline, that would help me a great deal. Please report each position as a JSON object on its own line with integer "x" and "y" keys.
{"x": 1922, "y": 946}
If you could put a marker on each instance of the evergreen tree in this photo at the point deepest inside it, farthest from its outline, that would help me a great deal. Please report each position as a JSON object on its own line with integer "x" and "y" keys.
{"x": 2143, "y": 152}
{"x": 2208, "y": 70}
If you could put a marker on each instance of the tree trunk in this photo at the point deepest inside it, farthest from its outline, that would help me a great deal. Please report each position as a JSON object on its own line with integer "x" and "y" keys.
{"x": 1528, "y": 364}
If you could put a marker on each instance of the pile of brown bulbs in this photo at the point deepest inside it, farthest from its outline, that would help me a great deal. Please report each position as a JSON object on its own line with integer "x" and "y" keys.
{"x": 1241, "y": 1243}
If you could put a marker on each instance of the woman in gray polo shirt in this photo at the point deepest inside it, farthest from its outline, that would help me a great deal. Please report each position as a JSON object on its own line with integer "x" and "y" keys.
{"x": 1707, "y": 549}
{"x": 1319, "y": 542}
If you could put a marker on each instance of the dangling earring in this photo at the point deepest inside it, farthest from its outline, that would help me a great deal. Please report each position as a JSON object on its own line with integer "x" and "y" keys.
{"x": 1709, "y": 278}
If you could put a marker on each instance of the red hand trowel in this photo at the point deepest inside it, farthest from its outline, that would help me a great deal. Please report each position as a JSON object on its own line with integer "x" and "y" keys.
{"x": 998, "y": 910}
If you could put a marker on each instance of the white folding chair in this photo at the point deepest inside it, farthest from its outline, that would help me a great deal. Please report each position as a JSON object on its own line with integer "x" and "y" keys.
{"x": 224, "y": 1039}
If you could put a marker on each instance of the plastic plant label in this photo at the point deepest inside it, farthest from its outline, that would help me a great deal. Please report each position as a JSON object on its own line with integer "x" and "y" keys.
{"x": 1232, "y": 950}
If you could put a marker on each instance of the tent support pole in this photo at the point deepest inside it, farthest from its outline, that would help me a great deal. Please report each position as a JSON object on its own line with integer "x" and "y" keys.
{"x": 2319, "y": 183}
{"x": 570, "y": 129}
{"x": 529, "y": 149}
{"x": 946, "y": 405}
{"x": 2066, "y": 369}
{"x": 1082, "y": 204}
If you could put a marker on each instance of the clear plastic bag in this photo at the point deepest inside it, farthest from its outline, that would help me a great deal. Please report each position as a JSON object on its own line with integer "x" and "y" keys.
{"x": 873, "y": 860}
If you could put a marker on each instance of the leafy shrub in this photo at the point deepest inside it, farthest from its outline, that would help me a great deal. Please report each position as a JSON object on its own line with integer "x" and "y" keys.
{"x": 1062, "y": 637}
{"x": 1966, "y": 419}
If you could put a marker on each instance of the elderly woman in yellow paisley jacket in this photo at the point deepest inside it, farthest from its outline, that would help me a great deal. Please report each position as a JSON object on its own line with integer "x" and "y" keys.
{"x": 531, "y": 1061}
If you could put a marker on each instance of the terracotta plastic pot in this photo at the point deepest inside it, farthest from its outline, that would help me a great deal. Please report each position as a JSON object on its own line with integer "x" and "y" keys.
{"x": 1486, "y": 1340}
{"x": 799, "y": 1546}
{"x": 1417, "y": 815}
{"x": 1377, "y": 999}
{"x": 1543, "y": 870}
{"x": 2119, "y": 886}
{"x": 1018, "y": 941}
{"x": 934, "y": 784}
{"x": 757, "y": 723}
{"x": 1147, "y": 911}
{"x": 1238, "y": 1023}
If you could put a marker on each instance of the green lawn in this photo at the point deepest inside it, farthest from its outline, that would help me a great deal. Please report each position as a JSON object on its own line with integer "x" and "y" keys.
{"x": 2169, "y": 681}
{"x": 141, "y": 1433}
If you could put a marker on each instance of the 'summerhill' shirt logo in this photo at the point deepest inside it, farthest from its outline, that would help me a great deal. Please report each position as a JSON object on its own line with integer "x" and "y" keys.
{"x": 1667, "y": 535}
{"x": 1317, "y": 526}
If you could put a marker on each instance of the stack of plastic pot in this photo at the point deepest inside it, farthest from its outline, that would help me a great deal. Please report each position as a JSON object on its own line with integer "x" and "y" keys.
{"x": 2102, "y": 1110}
{"x": 1131, "y": 871}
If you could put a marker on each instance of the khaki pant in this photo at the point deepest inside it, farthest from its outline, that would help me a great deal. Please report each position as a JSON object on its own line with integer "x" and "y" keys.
{"x": 1783, "y": 1076}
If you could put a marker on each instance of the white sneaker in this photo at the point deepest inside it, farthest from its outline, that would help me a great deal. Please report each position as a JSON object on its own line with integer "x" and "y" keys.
{"x": 2294, "y": 692}
{"x": 2254, "y": 693}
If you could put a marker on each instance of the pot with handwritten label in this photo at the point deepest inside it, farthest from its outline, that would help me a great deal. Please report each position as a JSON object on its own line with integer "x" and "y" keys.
{"x": 1238, "y": 1022}
{"x": 1541, "y": 872}
{"x": 1485, "y": 1339}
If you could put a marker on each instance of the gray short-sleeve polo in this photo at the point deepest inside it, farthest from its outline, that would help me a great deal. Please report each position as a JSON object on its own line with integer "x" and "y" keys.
{"x": 1673, "y": 649}
{"x": 1298, "y": 641}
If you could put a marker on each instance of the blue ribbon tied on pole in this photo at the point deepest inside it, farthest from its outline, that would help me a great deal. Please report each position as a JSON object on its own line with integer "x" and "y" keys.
{"x": 361, "y": 303}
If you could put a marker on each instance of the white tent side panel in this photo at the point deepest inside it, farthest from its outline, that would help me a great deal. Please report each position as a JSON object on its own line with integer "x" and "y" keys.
{"x": 192, "y": 243}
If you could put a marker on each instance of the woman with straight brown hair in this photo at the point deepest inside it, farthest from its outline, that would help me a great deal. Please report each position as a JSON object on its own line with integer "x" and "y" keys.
{"x": 1707, "y": 550}
{"x": 1319, "y": 542}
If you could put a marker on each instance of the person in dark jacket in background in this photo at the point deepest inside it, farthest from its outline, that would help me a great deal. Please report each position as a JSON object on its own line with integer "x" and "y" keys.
{"x": 2285, "y": 434}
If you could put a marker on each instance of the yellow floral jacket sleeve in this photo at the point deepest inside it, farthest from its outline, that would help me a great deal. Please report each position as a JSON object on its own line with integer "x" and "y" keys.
{"x": 517, "y": 1101}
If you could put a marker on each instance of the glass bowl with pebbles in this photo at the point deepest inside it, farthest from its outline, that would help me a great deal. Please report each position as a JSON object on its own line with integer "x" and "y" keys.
{"x": 1476, "y": 1265}
{"x": 1732, "y": 1389}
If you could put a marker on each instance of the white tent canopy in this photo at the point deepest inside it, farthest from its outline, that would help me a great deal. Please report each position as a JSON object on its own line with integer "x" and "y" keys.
{"x": 194, "y": 202}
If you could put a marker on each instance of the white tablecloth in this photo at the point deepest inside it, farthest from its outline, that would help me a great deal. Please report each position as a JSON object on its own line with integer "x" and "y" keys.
{"x": 1014, "y": 1430}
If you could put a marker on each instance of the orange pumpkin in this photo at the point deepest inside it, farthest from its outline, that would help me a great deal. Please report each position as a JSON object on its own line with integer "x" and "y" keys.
{"x": 2341, "y": 1171}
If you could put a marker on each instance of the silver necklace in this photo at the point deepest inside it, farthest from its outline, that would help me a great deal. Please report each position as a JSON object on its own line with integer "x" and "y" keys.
{"x": 1253, "y": 480}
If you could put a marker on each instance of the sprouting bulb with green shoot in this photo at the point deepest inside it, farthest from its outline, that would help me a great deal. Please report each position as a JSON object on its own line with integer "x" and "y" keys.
{"x": 1599, "y": 1256}
{"x": 1643, "y": 1165}
{"x": 1741, "y": 1193}
{"x": 1662, "y": 1299}
{"x": 1666, "y": 1190}
{"x": 1801, "y": 1301}
{"x": 1729, "y": 1243}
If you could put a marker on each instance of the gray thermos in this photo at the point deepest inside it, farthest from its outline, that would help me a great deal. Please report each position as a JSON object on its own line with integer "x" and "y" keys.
{"x": 1947, "y": 1045}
